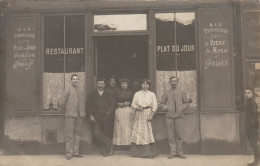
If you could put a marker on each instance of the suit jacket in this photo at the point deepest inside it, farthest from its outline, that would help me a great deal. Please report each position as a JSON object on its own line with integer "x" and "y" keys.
{"x": 251, "y": 115}
{"x": 174, "y": 101}
{"x": 100, "y": 107}
{"x": 73, "y": 99}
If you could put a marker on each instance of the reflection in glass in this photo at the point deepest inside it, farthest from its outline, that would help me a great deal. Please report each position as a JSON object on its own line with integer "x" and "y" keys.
{"x": 126, "y": 22}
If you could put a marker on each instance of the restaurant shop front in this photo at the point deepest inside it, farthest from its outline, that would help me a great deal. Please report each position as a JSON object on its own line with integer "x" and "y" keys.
{"x": 213, "y": 49}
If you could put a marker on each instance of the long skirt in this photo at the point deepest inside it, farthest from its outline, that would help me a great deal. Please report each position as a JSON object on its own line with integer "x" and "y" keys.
{"x": 142, "y": 131}
{"x": 142, "y": 137}
{"x": 123, "y": 126}
{"x": 143, "y": 150}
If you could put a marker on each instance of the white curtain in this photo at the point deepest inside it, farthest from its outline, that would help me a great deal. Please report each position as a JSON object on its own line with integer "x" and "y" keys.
{"x": 53, "y": 86}
{"x": 187, "y": 81}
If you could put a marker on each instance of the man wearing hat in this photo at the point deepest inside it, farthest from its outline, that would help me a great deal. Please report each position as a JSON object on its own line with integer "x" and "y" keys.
{"x": 174, "y": 101}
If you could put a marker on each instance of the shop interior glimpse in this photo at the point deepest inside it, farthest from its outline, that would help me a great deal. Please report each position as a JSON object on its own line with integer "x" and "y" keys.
{"x": 122, "y": 56}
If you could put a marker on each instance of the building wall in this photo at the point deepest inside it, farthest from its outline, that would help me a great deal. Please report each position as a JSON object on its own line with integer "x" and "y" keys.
{"x": 190, "y": 132}
{"x": 40, "y": 135}
{"x": 211, "y": 130}
{"x": 220, "y": 132}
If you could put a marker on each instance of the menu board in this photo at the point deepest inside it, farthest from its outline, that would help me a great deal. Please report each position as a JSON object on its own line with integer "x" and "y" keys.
{"x": 23, "y": 85}
{"x": 252, "y": 33}
{"x": 24, "y": 45}
{"x": 216, "y": 58}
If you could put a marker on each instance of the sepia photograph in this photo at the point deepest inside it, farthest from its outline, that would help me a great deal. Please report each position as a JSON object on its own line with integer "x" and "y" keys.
{"x": 129, "y": 82}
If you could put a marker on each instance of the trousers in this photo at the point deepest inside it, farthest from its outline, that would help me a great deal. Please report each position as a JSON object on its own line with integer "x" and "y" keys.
{"x": 174, "y": 135}
{"x": 252, "y": 135}
{"x": 73, "y": 132}
{"x": 101, "y": 136}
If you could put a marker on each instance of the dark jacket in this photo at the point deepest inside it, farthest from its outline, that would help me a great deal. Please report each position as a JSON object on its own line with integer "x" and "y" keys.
{"x": 100, "y": 107}
{"x": 113, "y": 92}
{"x": 251, "y": 114}
{"x": 122, "y": 96}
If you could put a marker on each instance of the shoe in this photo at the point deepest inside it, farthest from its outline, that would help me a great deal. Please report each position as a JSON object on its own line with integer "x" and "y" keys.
{"x": 152, "y": 157}
{"x": 171, "y": 156}
{"x": 110, "y": 153}
{"x": 105, "y": 154}
{"x": 77, "y": 155}
{"x": 180, "y": 156}
{"x": 68, "y": 157}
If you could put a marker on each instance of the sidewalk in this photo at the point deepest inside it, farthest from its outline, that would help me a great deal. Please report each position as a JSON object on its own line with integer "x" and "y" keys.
{"x": 124, "y": 160}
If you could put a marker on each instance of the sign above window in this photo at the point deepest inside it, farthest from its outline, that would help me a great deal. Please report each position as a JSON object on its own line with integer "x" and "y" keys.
{"x": 123, "y": 22}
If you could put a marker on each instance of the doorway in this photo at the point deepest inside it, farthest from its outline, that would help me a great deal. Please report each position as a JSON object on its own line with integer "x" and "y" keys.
{"x": 121, "y": 56}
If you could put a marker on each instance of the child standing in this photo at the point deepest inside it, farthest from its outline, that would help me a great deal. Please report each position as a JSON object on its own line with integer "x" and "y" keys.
{"x": 252, "y": 124}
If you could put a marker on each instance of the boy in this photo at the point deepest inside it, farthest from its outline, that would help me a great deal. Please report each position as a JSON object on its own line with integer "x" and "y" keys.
{"x": 252, "y": 124}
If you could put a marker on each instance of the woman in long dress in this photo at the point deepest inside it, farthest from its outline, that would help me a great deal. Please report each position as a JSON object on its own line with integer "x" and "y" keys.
{"x": 145, "y": 105}
{"x": 124, "y": 115}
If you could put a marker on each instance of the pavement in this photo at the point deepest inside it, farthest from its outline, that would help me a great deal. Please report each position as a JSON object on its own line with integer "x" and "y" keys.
{"x": 123, "y": 159}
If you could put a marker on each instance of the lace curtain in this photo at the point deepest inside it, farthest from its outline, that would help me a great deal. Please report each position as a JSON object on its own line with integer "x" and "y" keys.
{"x": 187, "y": 81}
{"x": 53, "y": 87}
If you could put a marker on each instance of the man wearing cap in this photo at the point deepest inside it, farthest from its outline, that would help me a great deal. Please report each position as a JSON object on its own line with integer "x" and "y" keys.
{"x": 73, "y": 101}
{"x": 174, "y": 101}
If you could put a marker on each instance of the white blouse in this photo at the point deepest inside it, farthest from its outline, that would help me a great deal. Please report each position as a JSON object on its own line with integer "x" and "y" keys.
{"x": 145, "y": 99}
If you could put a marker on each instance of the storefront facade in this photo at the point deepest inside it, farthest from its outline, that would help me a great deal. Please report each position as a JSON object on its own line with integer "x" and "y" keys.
{"x": 206, "y": 45}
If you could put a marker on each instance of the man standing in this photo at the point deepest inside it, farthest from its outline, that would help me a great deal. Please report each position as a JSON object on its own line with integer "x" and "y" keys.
{"x": 174, "y": 101}
{"x": 252, "y": 125}
{"x": 73, "y": 102}
{"x": 100, "y": 108}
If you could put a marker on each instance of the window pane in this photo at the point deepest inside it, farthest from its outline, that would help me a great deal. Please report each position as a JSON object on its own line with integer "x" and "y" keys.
{"x": 179, "y": 28}
{"x": 75, "y": 37}
{"x": 64, "y": 54}
{"x": 185, "y": 33}
{"x": 126, "y": 22}
{"x": 53, "y": 44}
{"x": 186, "y": 61}
{"x": 75, "y": 44}
{"x": 53, "y": 76}
{"x": 253, "y": 80}
{"x": 165, "y": 42}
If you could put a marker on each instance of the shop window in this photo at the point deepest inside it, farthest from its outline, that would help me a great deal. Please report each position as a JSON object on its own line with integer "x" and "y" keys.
{"x": 253, "y": 79}
{"x": 124, "y": 22}
{"x": 64, "y": 54}
{"x": 175, "y": 53}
